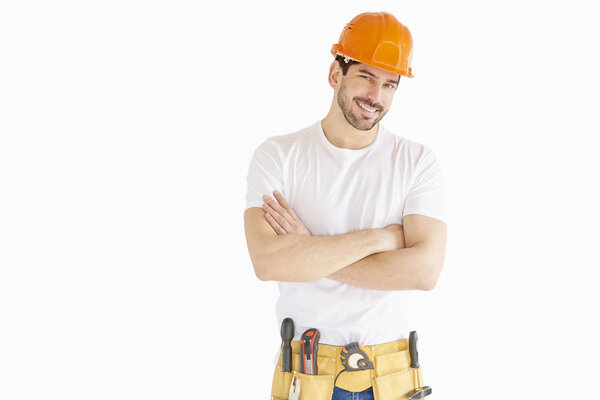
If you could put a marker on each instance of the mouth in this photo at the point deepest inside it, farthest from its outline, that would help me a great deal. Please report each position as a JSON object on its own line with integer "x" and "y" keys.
{"x": 366, "y": 109}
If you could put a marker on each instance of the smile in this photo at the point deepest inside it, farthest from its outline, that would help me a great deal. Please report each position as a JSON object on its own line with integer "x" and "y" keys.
{"x": 366, "y": 108}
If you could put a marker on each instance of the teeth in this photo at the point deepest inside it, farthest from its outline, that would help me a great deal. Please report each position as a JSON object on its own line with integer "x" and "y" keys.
{"x": 366, "y": 108}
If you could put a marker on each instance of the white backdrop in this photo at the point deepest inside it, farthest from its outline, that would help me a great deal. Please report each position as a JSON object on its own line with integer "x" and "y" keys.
{"x": 126, "y": 132}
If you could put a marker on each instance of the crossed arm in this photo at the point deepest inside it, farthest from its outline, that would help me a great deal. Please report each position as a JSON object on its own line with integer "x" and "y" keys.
{"x": 392, "y": 258}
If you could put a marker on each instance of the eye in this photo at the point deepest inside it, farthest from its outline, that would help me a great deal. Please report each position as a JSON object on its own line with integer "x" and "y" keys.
{"x": 366, "y": 77}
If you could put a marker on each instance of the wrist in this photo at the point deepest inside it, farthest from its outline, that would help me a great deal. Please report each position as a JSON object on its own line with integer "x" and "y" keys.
{"x": 385, "y": 240}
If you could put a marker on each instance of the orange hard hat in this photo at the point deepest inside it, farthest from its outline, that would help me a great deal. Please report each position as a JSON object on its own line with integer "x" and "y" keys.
{"x": 377, "y": 39}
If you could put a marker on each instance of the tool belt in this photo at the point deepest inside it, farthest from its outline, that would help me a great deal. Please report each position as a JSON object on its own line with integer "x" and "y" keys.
{"x": 391, "y": 378}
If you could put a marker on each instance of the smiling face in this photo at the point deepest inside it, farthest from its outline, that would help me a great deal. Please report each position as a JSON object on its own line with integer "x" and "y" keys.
{"x": 365, "y": 94}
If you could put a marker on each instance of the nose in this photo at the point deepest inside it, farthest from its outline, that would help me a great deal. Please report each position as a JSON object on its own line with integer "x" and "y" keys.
{"x": 374, "y": 94}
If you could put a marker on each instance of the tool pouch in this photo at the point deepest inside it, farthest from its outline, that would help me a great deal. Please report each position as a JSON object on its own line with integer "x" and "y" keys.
{"x": 312, "y": 387}
{"x": 393, "y": 377}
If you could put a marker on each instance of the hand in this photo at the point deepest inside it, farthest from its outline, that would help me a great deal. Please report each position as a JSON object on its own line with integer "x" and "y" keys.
{"x": 281, "y": 217}
{"x": 396, "y": 236}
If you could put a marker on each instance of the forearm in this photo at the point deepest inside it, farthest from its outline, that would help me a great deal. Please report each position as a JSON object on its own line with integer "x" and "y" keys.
{"x": 401, "y": 269}
{"x": 302, "y": 258}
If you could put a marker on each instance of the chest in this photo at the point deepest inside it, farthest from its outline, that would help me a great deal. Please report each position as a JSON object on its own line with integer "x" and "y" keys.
{"x": 338, "y": 197}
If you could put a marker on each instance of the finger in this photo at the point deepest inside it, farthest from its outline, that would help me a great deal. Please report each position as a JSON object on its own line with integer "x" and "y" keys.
{"x": 279, "y": 197}
{"x": 284, "y": 223}
{"x": 277, "y": 207}
{"x": 278, "y": 229}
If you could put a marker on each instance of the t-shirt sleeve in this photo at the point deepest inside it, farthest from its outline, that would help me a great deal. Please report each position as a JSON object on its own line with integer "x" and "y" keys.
{"x": 265, "y": 174}
{"x": 426, "y": 195}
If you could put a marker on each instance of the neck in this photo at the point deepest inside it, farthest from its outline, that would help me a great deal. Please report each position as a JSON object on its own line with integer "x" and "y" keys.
{"x": 341, "y": 134}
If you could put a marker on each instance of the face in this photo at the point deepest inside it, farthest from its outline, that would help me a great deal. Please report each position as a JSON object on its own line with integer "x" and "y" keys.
{"x": 370, "y": 87}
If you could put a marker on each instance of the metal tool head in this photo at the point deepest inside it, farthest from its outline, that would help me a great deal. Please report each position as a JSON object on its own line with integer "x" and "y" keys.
{"x": 294, "y": 393}
{"x": 418, "y": 393}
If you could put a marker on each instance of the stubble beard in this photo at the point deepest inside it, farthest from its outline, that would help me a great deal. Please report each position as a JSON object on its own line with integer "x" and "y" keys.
{"x": 346, "y": 105}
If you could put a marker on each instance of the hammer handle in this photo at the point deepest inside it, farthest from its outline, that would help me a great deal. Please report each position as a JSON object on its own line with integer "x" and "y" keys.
{"x": 412, "y": 347}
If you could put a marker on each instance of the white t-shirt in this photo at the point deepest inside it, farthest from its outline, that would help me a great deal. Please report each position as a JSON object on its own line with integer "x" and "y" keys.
{"x": 335, "y": 191}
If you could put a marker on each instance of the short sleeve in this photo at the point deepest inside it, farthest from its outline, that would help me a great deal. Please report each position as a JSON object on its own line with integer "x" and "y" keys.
{"x": 426, "y": 195}
{"x": 265, "y": 174}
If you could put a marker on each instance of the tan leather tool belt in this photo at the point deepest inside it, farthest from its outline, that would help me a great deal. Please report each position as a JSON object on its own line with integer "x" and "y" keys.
{"x": 391, "y": 377}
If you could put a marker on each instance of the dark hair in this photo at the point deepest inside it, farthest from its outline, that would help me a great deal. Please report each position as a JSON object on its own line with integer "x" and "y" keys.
{"x": 343, "y": 65}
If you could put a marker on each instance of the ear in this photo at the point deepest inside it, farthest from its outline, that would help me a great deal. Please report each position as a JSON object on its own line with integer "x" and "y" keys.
{"x": 334, "y": 74}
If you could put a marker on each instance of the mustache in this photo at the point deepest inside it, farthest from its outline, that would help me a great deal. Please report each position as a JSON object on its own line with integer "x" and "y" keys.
{"x": 369, "y": 104}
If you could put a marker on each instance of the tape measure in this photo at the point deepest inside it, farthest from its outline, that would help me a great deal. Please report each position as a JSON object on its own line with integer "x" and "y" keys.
{"x": 355, "y": 357}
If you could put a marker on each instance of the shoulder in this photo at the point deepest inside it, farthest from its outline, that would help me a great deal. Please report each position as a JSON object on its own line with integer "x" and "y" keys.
{"x": 283, "y": 144}
{"x": 411, "y": 150}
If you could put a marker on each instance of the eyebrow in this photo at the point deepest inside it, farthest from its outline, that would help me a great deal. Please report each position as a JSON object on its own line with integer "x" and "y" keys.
{"x": 364, "y": 71}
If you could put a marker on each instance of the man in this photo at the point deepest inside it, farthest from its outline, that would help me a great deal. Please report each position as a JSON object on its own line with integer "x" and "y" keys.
{"x": 355, "y": 223}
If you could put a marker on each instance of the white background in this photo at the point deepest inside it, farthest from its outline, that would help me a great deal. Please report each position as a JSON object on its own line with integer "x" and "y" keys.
{"x": 126, "y": 132}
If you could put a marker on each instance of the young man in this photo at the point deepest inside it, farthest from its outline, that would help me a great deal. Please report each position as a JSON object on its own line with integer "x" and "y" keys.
{"x": 355, "y": 223}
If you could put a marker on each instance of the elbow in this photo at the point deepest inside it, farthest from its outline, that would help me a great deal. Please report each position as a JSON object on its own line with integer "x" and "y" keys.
{"x": 429, "y": 281}
{"x": 428, "y": 285}
{"x": 261, "y": 269}
{"x": 265, "y": 269}
{"x": 265, "y": 275}
{"x": 261, "y": 275}
{"x": 262, "y": 272}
